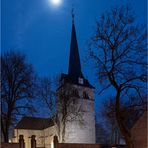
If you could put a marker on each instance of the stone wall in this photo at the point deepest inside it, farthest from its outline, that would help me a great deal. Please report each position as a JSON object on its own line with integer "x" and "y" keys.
{"x": 61, "y": 145}
{"x": 27, "y": 136}
{"x": 73, "y": 145}
{"x": 43, "y": 138}
{"x": 81, "y": 130}
{"x": 49, "y": 133}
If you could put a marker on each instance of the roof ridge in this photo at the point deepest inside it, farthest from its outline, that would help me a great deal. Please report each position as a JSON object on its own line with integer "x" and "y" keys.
{"x": 34, "y": 123}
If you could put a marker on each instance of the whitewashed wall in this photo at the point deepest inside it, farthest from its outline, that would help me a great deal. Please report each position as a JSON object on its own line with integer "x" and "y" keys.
{"x": 44, "y": 137}
{"x": 82, "y": 133}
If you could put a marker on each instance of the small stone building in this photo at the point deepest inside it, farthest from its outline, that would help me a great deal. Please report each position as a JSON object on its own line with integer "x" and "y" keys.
{"x": 42, "y": 128}
{"x": 139, "y": 132}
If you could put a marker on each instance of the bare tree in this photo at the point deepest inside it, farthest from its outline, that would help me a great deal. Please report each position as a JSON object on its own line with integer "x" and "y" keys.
{"x": 16, "y": 87}
{"x": 129, "y": 112}
{"x": 61, "y": 103}
{"x": 46, "y": 94}
{"x": 119, "y": 50}
{"x": 128, "y": 108}
{"x": 69, "y": 108}
{"x": 102, "y": 133}
{"x": 109, "y": 118}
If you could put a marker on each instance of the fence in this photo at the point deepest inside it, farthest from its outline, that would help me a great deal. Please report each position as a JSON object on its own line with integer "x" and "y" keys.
{"x": 21, "y": 144}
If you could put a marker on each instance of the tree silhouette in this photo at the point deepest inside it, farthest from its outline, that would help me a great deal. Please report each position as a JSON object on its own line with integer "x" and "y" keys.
{"x": 61, "y": 103}
{"x": 129, "y": 111}
{"x": 119, "y": 50}
{"x": 17, "y": 78}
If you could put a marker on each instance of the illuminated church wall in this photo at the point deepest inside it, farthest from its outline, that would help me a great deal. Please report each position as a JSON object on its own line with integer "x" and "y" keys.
{"x": 44, "y": 138}
{"x": 77, "y": 132}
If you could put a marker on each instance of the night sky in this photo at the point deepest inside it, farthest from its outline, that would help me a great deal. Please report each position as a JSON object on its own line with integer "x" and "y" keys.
{"x": 42, "y": 31}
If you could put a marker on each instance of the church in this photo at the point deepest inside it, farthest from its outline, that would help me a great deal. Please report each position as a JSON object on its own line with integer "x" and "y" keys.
{"x": 80, "y": 121}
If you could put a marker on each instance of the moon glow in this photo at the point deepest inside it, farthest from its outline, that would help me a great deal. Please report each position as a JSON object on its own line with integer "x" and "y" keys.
{"x": 56, "y": 2}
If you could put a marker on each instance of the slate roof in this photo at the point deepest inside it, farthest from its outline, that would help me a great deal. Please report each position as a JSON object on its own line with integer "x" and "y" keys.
{"x": 74, "y": 69}
{"x": 74, "y": 60}
{"x": 34, "y": 123}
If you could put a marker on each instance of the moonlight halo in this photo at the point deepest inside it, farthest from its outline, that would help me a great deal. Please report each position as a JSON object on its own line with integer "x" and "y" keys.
{"x": 55, "y": 2}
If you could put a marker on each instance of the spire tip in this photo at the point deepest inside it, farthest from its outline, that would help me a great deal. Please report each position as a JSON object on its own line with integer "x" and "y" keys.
{"x": 73, "y": 15}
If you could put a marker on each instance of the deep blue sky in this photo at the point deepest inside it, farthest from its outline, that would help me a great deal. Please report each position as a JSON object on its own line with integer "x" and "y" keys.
{"x": 43, "y": 32}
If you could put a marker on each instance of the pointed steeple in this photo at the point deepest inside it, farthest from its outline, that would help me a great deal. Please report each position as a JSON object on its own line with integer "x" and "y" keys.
{"x": 74, "y": 69}
{"x": 74, "y": 75}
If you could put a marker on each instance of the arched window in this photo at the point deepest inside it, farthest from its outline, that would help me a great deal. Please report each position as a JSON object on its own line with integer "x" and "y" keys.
{"x": 75, "y": 93}
{"x": 85, "y": 95}
{"x": 80, "y": 80}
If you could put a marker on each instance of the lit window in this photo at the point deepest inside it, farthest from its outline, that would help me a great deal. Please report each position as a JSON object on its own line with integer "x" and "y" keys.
{"x": 80, "y": 80}
{"x": 85, "y": 95}
{"x": 75, "y": 93}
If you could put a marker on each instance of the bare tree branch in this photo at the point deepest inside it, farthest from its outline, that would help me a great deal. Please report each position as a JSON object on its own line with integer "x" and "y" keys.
{"x": 17, "y": 78}
{"x": 118, "y": 50}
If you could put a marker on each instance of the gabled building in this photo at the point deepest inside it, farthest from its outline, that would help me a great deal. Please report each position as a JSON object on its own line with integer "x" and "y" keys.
{"x": 42, "y": 128}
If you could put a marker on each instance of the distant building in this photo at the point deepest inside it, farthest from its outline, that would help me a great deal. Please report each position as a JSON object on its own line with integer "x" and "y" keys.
{"x": 44, "y": 129}
{"x": 139, "y": 132}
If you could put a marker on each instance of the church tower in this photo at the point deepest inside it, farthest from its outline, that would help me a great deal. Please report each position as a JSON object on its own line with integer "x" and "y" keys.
{"x": 79, "y": 114}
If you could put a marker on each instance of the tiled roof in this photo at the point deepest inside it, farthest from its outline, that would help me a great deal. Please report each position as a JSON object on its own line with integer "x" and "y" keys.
{"x": 34, "y": 123}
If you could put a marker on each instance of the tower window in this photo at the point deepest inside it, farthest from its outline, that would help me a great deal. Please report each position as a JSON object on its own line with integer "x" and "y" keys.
{"x": 75, "y": 93}
{"x": 80, "y": 80}
{"x": 85, "y": 95}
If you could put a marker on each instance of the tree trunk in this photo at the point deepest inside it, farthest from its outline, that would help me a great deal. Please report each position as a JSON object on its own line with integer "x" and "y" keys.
{"x": 112, "y": 135}
{"x": 6, "y": 137}
{"x": 63, "y": 132}
{"x": 124, "y": 130}
{"x": 5, "y": 132}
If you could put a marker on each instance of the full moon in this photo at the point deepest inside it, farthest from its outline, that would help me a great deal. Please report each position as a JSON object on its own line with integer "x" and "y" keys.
{"x": 56, "y": 2}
